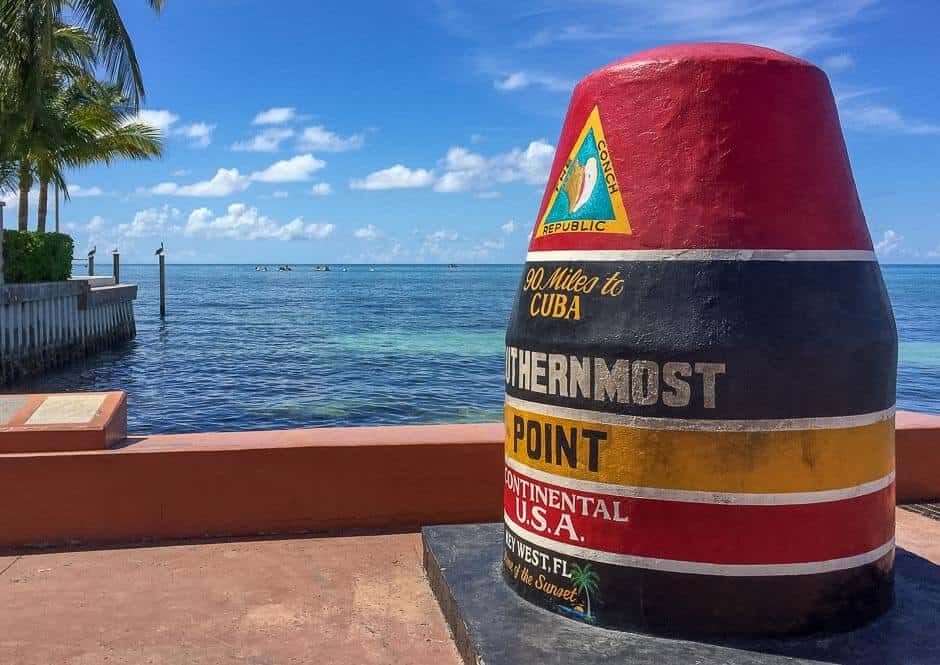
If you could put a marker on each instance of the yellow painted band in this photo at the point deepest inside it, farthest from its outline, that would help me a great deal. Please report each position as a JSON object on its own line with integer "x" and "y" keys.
{"x": 742, "y": 462}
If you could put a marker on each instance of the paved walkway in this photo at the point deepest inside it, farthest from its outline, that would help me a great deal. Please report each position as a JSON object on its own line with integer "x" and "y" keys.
{"x": 353, "y": 600}
{"x": 356, "y": 600}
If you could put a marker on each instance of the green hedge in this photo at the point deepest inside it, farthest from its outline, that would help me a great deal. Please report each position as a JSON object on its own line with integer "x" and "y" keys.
{"x": 36, "y": 257}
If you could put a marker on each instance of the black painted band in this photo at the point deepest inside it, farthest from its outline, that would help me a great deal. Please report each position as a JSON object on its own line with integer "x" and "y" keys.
{"x": 794, "y": 339}
{"x": 681, "y": 604}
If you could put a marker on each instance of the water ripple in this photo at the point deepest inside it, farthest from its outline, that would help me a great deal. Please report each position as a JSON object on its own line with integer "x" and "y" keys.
{"x": 404, "y": 344}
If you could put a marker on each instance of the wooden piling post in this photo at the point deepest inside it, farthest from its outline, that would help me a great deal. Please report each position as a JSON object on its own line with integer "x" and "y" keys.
{"x": 162, "y": 286}
{"x": 116, "y": 258}
{"x": 91, "y": 265}
{"x": 2, "y": 204}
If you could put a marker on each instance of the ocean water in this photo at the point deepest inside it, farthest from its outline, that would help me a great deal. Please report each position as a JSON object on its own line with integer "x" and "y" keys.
{"x": 244, "y": 350}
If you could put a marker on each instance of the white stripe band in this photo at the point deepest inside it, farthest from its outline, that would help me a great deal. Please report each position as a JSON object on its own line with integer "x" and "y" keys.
{"x": 702, "y": 255}
{"x": 697, "y": 568}
{"x": 646, "y": 422}
{"x": 695, "y": 496}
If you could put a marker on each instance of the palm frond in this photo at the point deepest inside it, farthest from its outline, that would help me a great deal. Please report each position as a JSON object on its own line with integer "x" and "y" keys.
{"x": 115, "y": 50}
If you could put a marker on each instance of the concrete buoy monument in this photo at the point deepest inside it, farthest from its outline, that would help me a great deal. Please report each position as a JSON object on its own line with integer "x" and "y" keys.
{"x": 700, "y": 364}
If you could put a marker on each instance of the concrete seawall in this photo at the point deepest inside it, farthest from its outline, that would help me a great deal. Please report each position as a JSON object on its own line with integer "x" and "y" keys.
{"x": 80, "y": 479}
{"x": 46, "y": 325}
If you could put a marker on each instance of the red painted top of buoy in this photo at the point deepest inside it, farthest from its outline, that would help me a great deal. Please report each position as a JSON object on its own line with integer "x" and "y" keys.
{"x": 713, "y": 146}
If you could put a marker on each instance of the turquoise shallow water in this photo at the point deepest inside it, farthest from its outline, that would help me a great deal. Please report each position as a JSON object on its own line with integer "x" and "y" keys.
{"x": 404, "y": 344}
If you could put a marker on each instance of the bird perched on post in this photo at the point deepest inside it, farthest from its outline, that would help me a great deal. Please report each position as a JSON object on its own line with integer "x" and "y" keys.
{"x": 160, "y": 251}
{"x": 115, "y": 251}
{"x": 91, "y": 252}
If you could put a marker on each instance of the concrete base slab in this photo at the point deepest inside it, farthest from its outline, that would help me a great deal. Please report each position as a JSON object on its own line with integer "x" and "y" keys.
{"x": 350, "y": 600}
{"x": 492, "y": 625}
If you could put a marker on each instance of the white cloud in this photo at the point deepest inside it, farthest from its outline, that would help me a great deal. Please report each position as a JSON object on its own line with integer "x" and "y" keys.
{"x": 534, "y": 162}
{"x": 94, "y": 226}
{"x": 884, "y": 119}
{"x": 889, "y": 244}
{"x": 837, "y": 62}
{"x": 520, "y": 80}
{"x": 385, "y": 252}
{"x": 792, "y": 26}
{"x": 279, "y": 195}
{"x": 158, "y": 119}
{"x": 79, "y": 191}
{"x": 12, "y": 199}
{"x": 367, "y": 233}
{"x": 509, "y": 227}
{"x": 180, "y": 173}
{"x": 443, "y": 234}
{"x": 267, "y": 140}
{"x": 395, "y": 177}
{"x": 466, "y": 171}
{"x": 515, "y": 81}
{"x": 225, "y": 182}
{"x": 198, "y": 133}
{"x": 844, "y": 96}
{"x": 319, "y": 138}
{"x": 229, "y": 181}
{"x": 321, "y": 189}
{"x": 295, "y": 169}
{"x": 243, "y": 222}
{"x": 451, "y": 245}
{"x": 462, "y": 170}
{"x": 275, "y": 116}
{"x": 149, "y": 222}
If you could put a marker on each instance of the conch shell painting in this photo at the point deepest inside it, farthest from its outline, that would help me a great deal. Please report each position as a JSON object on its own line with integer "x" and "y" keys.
{"x": 580, "y": 183}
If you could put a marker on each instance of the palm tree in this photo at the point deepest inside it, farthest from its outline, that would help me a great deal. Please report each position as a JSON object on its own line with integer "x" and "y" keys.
{"x": 73, "y": 57}
{"x": 88, "y": 122}
{"x": 585, "y": 579}
{"x": 28, "y": 27}
{"x": 28, "y": 59}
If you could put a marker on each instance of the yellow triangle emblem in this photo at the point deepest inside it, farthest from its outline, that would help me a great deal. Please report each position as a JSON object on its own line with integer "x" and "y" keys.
{"x": 586, "y": 197}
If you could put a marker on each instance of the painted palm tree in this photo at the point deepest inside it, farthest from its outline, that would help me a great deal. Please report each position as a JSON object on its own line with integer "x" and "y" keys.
{"x": 585, "y": 579}
{"x": 28, "y": 58}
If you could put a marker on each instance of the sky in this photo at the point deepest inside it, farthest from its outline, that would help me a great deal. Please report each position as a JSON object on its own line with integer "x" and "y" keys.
{"x": 374, "y": 131}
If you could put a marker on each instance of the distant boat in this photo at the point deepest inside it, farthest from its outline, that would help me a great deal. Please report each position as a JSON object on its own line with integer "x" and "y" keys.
{"x": 261, "y": 268}
{"x": 284, "y": 268}
{"x": 322, "y": 269}
{"x": 452, "y": 266}
{"x": 371, "y": 269}
{"x": 343, "y": 268}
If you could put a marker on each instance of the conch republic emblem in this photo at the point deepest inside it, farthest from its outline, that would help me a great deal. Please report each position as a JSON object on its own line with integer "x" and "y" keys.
{"x": 586, "y": 198}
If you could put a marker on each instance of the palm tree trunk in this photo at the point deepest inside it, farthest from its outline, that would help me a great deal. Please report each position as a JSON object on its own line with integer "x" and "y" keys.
{"x": 26, "y": 183}
{"x": 43, "y": 205}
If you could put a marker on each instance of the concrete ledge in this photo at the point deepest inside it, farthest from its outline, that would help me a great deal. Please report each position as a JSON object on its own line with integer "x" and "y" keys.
{"x": 20, "y": 293}
{"x": 67, "y": 422}
{"x": 296, "y": 481}
{"x": 917, "y": 457}
{"x": 94, "y": 281}
{"x": 105, "y": 295}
